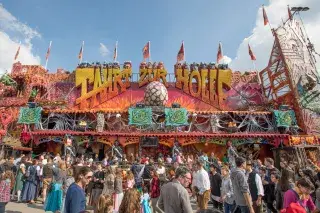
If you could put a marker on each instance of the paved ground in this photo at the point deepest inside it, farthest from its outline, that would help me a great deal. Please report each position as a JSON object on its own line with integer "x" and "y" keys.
{"x": 23, "y": 207}
{"x": 13, "y": 207}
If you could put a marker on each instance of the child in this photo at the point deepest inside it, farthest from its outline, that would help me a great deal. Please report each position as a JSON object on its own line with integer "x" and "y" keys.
{"x": 130, "y": 180}
{"x": 6, "y": 183}
{"x": 105, "y": 204}
{"x": 145, "y": 199}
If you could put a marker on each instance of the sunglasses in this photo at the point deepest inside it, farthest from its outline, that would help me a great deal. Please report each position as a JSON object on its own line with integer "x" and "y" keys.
{"x": 189, "y": 179}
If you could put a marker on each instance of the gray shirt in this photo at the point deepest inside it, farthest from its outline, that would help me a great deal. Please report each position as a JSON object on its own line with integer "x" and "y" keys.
{"x": 240, "y": 186}
{"x": 118, "y": 186}
{"x": 227, "y": 190}
{"x": 174, "y": 198}
{"x": 232, "y": 154}
{"x": 59, "y": 176}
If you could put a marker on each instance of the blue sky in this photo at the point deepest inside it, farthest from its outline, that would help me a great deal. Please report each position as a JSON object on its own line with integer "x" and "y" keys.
{"x": 201, "y": 24}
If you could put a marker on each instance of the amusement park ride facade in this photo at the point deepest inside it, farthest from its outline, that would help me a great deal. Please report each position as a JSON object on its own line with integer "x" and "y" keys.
{"x": 201, "y": 106}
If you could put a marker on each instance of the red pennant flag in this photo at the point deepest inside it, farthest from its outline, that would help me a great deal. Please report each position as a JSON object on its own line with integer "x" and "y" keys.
{"x": 180, "y": 56}
{"x": 289, "y": 13}
{"x": 146, "y": 50}
{"x": 17, "y": 53}
{"x": 48, "y": 51}
{"x": 219, "y": 54}
{"x": 81, "y": 52}
{"x": 265, "y": 17}
{"x": 115, "y": 52}
{"x": 253, "y": 57}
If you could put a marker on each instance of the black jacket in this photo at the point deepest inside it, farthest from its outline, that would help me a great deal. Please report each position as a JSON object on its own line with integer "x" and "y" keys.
{"x": 215, "y": 183}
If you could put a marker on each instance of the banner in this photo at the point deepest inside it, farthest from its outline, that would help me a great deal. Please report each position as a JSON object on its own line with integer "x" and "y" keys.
{"x": 30, "y": 115}
{"x": 176, "y": 116}
{"x": 140, "y": 116}
{"x": 285, "y": 118}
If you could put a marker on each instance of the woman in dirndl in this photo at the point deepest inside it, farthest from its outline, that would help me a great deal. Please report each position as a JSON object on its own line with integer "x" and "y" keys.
{"x": 29, "y": 191}
{"x": 53, "y": 202}
{"x": 20, "y": 179}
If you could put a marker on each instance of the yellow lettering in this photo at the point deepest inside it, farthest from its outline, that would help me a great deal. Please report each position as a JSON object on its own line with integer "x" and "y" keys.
{"x": 150, "y": 74}
{"x": 205, "y": 94}
{"x": 182, "y": 82}
{"x": 208, "y": 85}
{"x": 84, "y": 75}
{"x": 97, "y": 78}
{"x": 143, "y": 80}
{"x": 162, "y": 76}
{"x": 197, "y": 85}
{"x": 213, "y": 86}
{"x": 113, "y": 79}
{"x": 224, "y": 82}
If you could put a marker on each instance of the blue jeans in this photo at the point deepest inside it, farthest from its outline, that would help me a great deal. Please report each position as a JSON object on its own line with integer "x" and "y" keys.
{"x": 228, "y": 208}
{"x": 244, "y": 209}
{"x": 2, "y": 207}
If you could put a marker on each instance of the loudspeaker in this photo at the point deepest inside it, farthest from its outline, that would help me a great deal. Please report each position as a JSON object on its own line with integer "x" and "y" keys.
{"x": 140, "y": 105}
{"x": 175, "y": 105}
{"x": 31, "y": 104}
{"x": 149, "y": 142}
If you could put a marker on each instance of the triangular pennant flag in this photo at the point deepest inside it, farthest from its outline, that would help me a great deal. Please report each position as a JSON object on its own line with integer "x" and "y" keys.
{"x": 253, "y": 57}
{"x": 289, "y": 13}
{"x": 17, "y": 53}
{"x": 219, "y": 54}
{"x": 265, "y": 17}
{"x": 115, "y": 52}
{"x": 146, "y": 50}
{"x": 48, "y": 51}
{"x": 80, "y": 53}
{"x": 180, "y": 56}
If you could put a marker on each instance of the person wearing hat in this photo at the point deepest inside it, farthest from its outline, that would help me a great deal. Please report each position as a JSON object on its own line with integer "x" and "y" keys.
{"x": 174, "y": 198}
{"x": 255, "y": 187}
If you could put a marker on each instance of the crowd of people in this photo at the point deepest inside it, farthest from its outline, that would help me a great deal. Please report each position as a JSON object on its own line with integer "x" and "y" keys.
{"x": 167, "y": 184}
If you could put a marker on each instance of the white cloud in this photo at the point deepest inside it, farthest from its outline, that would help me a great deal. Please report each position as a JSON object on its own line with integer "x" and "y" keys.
{"x": 10, "y": 25}
{"x": 261, "y": 39}
{"x": 226, "y": 60}
{"x": 104, "y": 51}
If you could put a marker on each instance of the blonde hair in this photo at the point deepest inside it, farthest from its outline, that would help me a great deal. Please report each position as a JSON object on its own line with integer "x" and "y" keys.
{"x": 62, "y": 165}
{"x": 8, "y": 175}
{"x": 105, "y": 204}
{"x": 226, "y": 169}
{"x": 119, "y": 173}
{"x": 130, "y": 202}
{"x": 130, "y": 176}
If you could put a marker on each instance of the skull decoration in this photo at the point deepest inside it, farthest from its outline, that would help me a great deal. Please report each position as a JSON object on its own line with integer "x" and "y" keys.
{"x": 100, "y": 122}
{"x": 155, "y": 94}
